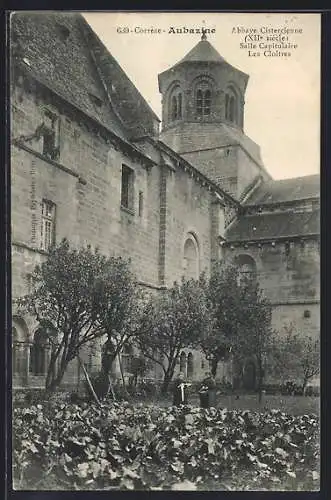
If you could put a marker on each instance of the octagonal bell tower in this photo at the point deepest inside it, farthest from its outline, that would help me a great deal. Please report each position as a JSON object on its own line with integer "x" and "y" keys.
{"x": 203, "y": 100}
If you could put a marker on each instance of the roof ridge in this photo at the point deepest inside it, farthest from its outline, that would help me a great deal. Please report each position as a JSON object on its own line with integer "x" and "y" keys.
{"x": 115, "y": 63}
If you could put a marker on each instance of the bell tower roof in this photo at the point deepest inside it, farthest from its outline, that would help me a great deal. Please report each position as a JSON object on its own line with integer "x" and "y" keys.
{"x": 203, "y": 51}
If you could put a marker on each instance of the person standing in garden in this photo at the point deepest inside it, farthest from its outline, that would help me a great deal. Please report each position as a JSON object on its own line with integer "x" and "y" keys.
{"x": 180, "y": 390}
{"x": 207, "y": 391}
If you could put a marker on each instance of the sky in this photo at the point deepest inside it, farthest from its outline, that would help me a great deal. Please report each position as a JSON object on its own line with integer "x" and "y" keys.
{"x": 282, "y": 102}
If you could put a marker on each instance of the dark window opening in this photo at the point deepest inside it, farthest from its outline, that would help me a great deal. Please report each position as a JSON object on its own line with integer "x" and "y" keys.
{"x": 306, "y": 314}
{"x": 230, "y": 108}
{"x": 287, "y": 248}
{"x": 127, "y": 188}
{"x": 179, "y": 113}
{"x": 50, "y": 134}
{"x": 182, "y": 363}
{"x": 174, "y": 109}
{"x": 199, "y": 102}
{"x": 190, "y": 365}
{"x": 207, "y": 102}
{"x": 38, "y": 354}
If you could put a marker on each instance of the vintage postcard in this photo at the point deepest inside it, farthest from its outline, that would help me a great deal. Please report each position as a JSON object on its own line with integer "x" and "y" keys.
{"x": 165, "y": 206}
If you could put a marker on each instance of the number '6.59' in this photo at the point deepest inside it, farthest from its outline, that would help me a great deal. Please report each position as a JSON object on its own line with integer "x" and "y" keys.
{"x": 122, "y": 29}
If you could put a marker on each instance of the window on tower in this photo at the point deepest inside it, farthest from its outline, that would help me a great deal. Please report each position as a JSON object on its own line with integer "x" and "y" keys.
{"x": 176, "y": 104}
{"x": 203, "y": 102}
{"x": 174, "y": 108}
{"x": 231, "y": 106}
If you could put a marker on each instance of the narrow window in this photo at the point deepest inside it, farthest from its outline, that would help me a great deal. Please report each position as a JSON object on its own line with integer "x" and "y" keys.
{"x": 207, "y": 102}
{"x": 38, "y": 354}
{"x": 232, "y": 109}
{"x": 47, "y": 225}
{"x": 199, "y": 102}
{"x": 16, "y": 360}
{"x": 127, "y": 187}
{"x": 182, "y": 363}
{"x": 190, "y": 365}
{"x": 179, "y": 114}
{"x": 141, "y": 203}
{"x": 226, "y": 106}
{"x": 50, "y": 135}
{"x": 174, "y": 109}
{"x": 203, "y": 103}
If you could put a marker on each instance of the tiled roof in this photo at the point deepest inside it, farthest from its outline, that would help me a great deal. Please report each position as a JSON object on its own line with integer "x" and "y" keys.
{"x": 274, "y": 225}
{"x": 58, "y": 53}
{"x": 298, "y": 188}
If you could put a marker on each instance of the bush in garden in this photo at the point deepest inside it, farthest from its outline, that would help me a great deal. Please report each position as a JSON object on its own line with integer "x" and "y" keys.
{"x": 121, "y": 446}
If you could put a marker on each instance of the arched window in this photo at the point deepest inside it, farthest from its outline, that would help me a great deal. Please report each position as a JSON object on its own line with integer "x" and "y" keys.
{"x": 231, "y": 106}
{"x": 203, "y": 102}
{"x": 207, "y": 102}
{"x": 182, "y": 363}
{"x": 39, "y": 353}
{"x": 175, "y": 104}
{"x": 232, "y": 109}
{"x": 17, "y": 352}
{"x": 190, "y": 368}
{"x": 179, "y": 110}
{"x": 246, "y": 266}
{"x": 191, "y": 258}
{"x": 174, "y": 108}
{"x": 19, "y": 346}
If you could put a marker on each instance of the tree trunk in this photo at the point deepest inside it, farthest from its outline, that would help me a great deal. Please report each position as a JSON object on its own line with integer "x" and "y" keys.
{"x": 88, "y": 380}
{"x": 168, "y": 377}
{"x": 214, "y": 364}
{"x": 260, "y": 381}
{"x": 122, "y": 374}
{"x": 57, "y": 379}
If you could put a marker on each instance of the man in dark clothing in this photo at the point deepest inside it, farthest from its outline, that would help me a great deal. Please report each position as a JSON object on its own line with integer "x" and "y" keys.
{"x": 180, "y": 393}
{"x": 207, "y": 391}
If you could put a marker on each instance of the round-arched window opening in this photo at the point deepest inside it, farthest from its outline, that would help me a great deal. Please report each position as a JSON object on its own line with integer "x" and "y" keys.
{"x": 231, "y": 106}
{"x": 190, "y": 365}
{"x": 203, "y": 100}
{"x": 191, "y": 258}
{"x": 175, "y": 111}
{"x": 20, "y": 335}
{"x": 182, "y": 363}
{"x": 38, "y": 353}
{"x": 246, "y": 266}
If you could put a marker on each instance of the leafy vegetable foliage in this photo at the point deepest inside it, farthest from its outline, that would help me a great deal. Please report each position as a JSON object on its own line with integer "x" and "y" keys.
{"x": 57, "y": 446}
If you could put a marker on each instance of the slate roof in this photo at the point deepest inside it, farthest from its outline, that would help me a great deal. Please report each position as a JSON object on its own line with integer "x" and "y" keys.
{"x": 203, "y": 51}
{"x": 284, "y": 190}
{"x": 274, "y": 225}
{"x": 70, "y": 67}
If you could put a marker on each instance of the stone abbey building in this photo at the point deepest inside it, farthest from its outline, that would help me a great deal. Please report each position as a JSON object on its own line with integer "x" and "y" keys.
{"x": 91, "y": 162}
